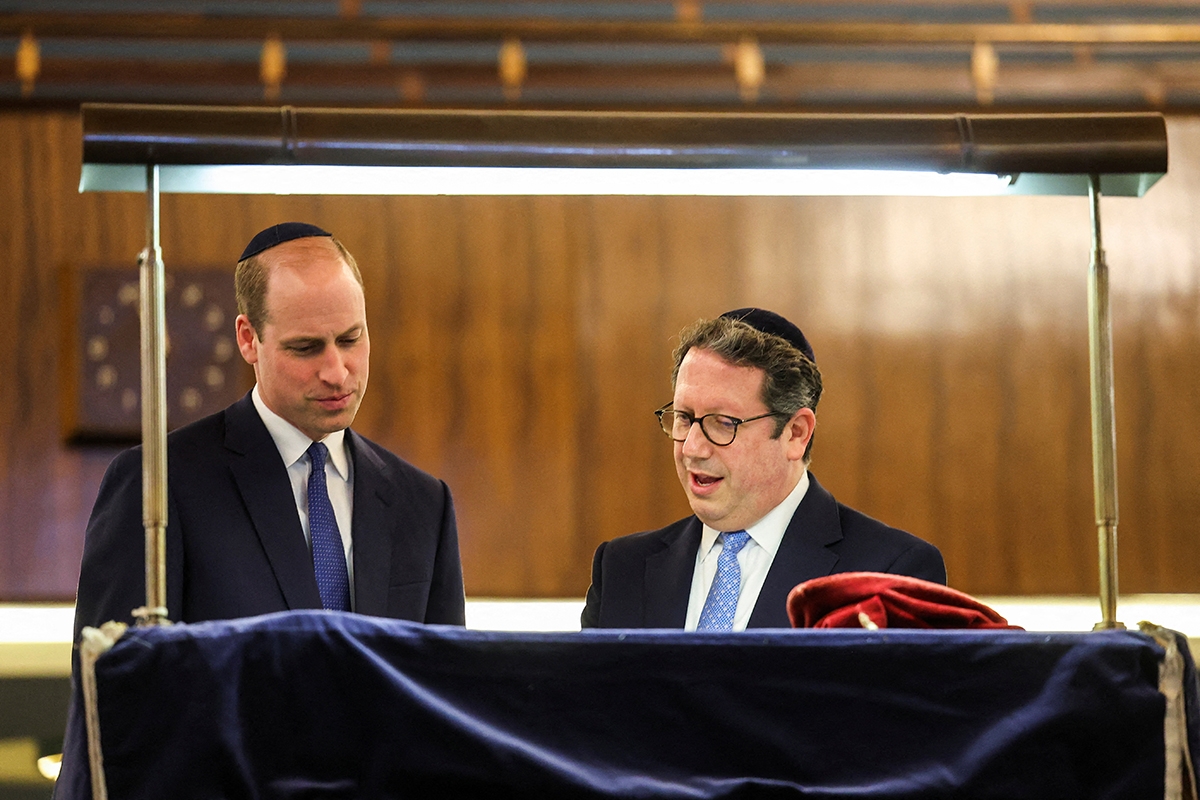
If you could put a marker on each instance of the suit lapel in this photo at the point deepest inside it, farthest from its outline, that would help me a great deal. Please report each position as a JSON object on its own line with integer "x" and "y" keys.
{"x": 372, "y": 529}
{"x": 803, "y": 554}
{"x": 262, "y": 480}
{"x": 668, "y": 583}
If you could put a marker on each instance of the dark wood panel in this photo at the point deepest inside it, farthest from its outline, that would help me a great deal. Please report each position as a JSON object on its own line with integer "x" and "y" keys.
{"x": 519, "y": 345}
{"x": 626, "y": 475}
{"x": 43, "y": 490}
{"x": 969, "y": 455}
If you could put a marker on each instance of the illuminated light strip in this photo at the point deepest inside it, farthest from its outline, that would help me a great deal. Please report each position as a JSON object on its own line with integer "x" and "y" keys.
{"x": 364, "y": 180}
{"x": 1179, "y": 612}
{"x": 36, "y": 623}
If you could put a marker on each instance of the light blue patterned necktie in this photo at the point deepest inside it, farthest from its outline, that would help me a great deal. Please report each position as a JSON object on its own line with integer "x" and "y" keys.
{"x": 721, "y": 605}
{"x": 329, "y": 559}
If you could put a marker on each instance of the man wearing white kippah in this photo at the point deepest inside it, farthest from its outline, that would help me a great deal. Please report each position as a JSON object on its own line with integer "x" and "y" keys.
{"x": 742, "y": 420}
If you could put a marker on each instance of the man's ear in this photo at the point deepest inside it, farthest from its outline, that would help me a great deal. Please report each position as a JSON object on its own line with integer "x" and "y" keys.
{"x": 247, "y": 339}
{"x": 799, "y": 431}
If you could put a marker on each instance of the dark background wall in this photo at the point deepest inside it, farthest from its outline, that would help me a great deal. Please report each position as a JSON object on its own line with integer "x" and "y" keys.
{"x": 520, "y": 344}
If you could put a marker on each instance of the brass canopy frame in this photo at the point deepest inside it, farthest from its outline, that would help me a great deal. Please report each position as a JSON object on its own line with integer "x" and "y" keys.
{"x": 164, "y": 148}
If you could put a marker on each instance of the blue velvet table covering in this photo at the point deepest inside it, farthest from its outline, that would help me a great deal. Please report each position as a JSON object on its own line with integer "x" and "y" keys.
{"x": 325, "y": 705}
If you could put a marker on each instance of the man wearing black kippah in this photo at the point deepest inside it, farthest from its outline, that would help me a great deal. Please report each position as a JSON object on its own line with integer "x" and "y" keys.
{"x": 274, "y": 503}
{"x": 742, "y": 420}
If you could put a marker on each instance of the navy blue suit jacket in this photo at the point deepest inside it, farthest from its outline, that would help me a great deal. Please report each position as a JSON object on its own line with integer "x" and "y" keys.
{"x": 644, "y": 580}
{"x": 235, "y": 547}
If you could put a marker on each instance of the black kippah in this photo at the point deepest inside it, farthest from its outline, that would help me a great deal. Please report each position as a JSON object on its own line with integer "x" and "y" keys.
{"x": 278, "y": 234}
{"x": 769, "y": 322}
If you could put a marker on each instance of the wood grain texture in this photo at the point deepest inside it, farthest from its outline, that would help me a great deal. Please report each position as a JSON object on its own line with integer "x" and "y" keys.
{"x": 519, "y": 346}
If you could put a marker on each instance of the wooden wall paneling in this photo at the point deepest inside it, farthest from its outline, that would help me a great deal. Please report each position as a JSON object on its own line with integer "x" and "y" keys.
{"x": 819, "y": 262}
{"x": 905, "y": 301}
{"x": 964, "y": 494}
{"x": 622, "y": 367}
{"x": 951, "y": 333}
{"x": 805, "y": 260}
{"x": 1047, "y": 500}
{"x": 212, "y": 229}
{"x": 419, "y": 398}
{"x": 967, "y": 255}
{"x": 793, "y": 256}
{"x": 415, "y": 309}
{"x": 21, "y": 267}
{"x": 701, "y": 272}
{"x": 1177, "y": 338}
{"x": 512, "y": 422}
{"x": 15, "y": 251}
{"x": 1153, "y": 246}
{"x": 974, "y": 412}
{"x": 899, "y": 434}
{"x": 702, "y": 278}
{"x": 1045, "y": 469}
{"x": 851, "y": 417}
{"x": 110, "y": 227}
{"x": 38, "y": 209}
{"x": 1161, "y": 504}
{"x": 564, "y": 250}
{"x": 767, "y": 240}
{"x": 1169, "y": 513}
{"x": 850, "y": 410}
{"x": 371, "y": 229}
{"x": 30, "y": 303}
{"x": 1146, "y": 435}
{"x": 550, "y": 447}
{"x": 495, "y": 250}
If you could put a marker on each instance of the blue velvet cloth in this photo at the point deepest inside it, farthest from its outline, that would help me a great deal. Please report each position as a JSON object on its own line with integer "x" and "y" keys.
{"x": 322, "y": 705}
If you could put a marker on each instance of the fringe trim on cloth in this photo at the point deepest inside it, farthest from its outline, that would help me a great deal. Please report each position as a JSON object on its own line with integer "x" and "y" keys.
{"x": 94, "y": 643}
{"x": 1180, "y": 778}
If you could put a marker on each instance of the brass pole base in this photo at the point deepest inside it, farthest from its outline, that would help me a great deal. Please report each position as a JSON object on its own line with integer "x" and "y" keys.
{"x": 1109, "y": 625}
{"x": 147, "y": 617}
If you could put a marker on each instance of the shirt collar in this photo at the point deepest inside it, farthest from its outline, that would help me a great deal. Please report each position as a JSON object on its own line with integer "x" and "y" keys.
{"x": 293, "y": 444}
{"x": 768, "y": 532}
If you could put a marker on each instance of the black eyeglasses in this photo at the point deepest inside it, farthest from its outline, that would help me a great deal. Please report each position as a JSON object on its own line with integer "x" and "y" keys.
{"x": 720, "y": 429}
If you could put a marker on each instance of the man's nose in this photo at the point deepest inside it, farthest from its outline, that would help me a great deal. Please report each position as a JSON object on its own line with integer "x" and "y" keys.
{"x": 333, "y": 367}
{"x": 696, "y": 443}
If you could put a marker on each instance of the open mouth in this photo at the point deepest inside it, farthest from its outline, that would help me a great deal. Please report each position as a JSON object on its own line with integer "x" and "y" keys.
{"x": 701, "y": 482}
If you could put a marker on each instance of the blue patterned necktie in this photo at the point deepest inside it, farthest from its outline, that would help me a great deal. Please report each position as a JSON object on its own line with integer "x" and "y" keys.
{"x": 722, "y": 602}
{"x": 329, "y": 559}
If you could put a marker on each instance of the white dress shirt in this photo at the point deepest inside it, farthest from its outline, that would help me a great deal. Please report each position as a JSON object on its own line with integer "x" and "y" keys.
{"x": 339, "y": 476}
{"x": 754, "y": 559}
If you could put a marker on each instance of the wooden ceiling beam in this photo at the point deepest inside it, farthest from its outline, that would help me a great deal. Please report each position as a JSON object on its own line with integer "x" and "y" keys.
{"x": 365, "y": 29}
{"x": 1074, "y": 82}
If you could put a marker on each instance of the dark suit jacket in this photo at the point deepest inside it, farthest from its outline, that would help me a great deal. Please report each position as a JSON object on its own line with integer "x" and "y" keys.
{"x": 644, "y": 580}
{"x": 235, "y": 547}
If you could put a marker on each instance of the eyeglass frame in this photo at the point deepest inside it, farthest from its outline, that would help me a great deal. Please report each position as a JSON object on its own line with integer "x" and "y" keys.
{"x": 737, "y": 423}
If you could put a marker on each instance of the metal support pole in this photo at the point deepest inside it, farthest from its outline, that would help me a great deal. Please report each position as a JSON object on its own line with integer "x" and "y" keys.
{"x": 154, "y": 412}
{"x": 1104, "y": 429}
